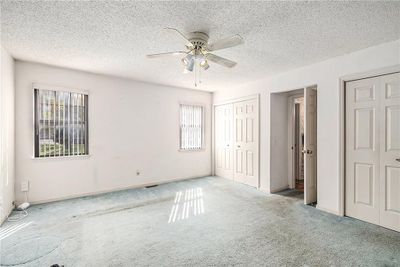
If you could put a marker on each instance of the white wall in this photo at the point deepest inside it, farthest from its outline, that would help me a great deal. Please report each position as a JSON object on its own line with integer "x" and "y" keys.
{"x": 6, "y": 134}
{"x": 326, "y": 75}
{"x": 132, "y": 126}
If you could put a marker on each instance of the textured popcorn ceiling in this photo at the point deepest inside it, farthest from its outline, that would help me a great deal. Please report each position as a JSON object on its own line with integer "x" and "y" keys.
{"x": 114, "y": 37}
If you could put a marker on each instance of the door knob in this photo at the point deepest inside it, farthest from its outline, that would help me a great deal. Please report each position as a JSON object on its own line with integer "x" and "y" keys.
{"x": 398, "y": 159}
{"x": 238, "y": 146}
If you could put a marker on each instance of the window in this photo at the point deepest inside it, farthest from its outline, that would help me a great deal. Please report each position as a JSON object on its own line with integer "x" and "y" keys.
{"x": 192, "y": 127}
{"x": 61, "y": 123}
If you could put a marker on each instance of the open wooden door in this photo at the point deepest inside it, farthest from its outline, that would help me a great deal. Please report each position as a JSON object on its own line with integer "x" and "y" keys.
{"x": 310, "y": 145}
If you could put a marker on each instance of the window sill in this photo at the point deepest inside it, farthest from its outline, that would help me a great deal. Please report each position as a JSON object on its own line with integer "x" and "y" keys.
{"x": 192, "y": 150}
{"x": 75, "y": 157}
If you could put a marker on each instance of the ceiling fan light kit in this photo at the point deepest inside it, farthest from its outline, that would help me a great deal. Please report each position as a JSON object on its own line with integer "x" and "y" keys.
{"x": 199, "y": 50}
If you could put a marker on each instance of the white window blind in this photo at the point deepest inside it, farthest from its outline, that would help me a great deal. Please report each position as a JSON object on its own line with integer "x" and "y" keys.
{"x": 61, "y": 123}
{"x": 191, "y": 126}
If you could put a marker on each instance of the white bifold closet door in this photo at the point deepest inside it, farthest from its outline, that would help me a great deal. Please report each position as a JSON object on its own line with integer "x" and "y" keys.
{"x": 373, "y": 150}
{"x": 236, "y": 141}
{"x": 390, "y": 152}
{"x": 245, "y": 155}
{"x": 224, "y": 141}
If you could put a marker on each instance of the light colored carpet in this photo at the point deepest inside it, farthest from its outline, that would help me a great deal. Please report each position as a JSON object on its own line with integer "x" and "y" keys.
{"x": 217, "y": 223}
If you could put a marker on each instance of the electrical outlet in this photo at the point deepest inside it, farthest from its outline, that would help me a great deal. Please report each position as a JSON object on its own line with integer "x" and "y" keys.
{"x": 25, "y": 186}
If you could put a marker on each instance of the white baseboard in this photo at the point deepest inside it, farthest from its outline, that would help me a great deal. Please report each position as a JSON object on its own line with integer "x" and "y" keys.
{"x": 328, "y": 210}
{"x": 275, "y": 190}
{"x": 114, "y": 190}
{"x": 265, "y": 190}
{"x": 6, "y": 214}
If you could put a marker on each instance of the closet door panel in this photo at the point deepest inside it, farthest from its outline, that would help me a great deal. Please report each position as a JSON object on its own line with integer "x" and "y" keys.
{"x": 373, "y": 150}
{"x": 390, "y": 152}
{"x": 362, "y": 150}
{"x": 224, "y": 141}
{"x": 246, "y": 129}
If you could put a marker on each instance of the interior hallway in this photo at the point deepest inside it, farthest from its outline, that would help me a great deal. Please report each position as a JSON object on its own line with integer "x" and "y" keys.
{"x": 226, "y": 224}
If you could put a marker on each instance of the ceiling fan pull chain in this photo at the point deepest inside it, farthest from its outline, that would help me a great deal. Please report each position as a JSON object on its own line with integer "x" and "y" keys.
{"x": 199, "y": 73}
{"x": 195, "y": 74}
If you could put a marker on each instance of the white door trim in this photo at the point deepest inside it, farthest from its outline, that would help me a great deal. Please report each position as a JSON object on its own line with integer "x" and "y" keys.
{"x": 239, "y": 99}
{"x": 342, "y": 119}
{"x": 231, "y": 101}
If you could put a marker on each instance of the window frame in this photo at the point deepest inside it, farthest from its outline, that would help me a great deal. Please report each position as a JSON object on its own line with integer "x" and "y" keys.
{"x": 40, "y": 86}
{"x": 203, "y": 120}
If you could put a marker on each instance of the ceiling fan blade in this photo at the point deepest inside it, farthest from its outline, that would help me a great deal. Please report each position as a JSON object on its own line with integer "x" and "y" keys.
{"x": 175, "y": 53}
{"x": 220, "y": 60}
{"x": 226, "y": 42}
{"x": 189, "y": 44}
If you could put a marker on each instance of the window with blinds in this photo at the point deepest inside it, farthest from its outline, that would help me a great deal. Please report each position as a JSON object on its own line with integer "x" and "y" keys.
{"x": 61, "y": 123}
{"x": 191, "y": 127}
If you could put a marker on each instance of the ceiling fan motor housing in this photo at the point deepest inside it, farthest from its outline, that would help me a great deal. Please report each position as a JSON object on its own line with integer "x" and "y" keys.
{"x": 199, "y": 40}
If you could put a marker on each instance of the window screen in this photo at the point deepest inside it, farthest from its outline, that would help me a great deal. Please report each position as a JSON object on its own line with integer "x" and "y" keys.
{"x": 191, "y": 127}
{"x": 61, "y": 123}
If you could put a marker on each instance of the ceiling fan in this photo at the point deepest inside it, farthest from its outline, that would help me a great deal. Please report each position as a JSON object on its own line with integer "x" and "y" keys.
{"x": 198, "y": 52}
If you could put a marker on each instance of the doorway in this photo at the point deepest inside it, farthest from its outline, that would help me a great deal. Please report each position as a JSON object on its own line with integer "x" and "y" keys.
{"x": 293, "y": 157}
{"x": 298, "y": 143}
